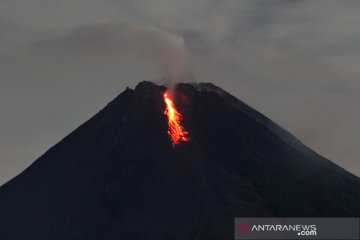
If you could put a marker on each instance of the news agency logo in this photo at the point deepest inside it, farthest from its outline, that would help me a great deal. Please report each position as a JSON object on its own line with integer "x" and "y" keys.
{"x": 297, "y": 228}
{"x": 300, "y": 230}
{"x": 244, "y": 228}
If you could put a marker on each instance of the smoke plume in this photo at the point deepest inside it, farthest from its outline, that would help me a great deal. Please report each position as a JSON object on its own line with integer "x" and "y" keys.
{"x": 163, "y": 48}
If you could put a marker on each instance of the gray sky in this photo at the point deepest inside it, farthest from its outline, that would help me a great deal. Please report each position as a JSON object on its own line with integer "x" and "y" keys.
{"x": 61, "y": 61}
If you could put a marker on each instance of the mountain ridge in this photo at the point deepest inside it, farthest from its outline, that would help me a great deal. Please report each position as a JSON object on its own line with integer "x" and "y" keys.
{"x": 117, "y": 176}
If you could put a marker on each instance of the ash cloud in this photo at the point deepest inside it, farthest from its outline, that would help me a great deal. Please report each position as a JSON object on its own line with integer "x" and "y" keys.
{"x": 146, "y": 43}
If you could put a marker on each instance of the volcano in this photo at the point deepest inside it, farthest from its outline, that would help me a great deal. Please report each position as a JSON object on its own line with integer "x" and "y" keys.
{"x": 119, "y": 175}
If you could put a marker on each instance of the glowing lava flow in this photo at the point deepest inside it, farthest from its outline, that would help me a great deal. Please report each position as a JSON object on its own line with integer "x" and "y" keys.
{"x": 176, "y": 131}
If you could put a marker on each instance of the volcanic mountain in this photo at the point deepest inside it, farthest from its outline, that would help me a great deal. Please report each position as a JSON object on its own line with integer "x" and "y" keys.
{"x": 120, "y": 177}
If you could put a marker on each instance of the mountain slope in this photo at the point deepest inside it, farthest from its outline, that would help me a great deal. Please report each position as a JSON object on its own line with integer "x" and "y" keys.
{"x": 118, "y": 177}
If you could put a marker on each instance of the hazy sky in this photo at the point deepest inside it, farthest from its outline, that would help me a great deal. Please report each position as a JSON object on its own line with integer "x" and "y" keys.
{"x": 61, "y": 61}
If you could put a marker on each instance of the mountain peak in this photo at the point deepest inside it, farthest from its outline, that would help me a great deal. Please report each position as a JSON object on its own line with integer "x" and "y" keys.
{"x": 147, "y": 86}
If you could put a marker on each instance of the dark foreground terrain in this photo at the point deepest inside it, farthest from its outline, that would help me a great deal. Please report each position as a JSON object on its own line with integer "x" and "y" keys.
{"x": 118, "y": 177}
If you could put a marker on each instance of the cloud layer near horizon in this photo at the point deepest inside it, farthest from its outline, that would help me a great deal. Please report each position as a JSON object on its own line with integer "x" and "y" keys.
{"x": 295, "y": 61}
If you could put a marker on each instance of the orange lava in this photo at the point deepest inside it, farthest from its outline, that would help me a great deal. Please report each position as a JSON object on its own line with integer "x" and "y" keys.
{"x": 176, "y": 131}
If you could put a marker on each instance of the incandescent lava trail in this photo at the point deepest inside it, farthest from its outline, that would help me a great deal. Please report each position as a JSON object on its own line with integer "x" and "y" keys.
{"x": 176, "y": 131}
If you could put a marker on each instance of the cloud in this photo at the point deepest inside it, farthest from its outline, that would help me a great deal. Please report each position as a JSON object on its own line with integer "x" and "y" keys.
{"x": 146, "y": 43}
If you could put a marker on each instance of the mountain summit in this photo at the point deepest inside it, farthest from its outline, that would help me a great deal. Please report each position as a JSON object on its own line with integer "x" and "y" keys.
{"x": 120, "y": 177}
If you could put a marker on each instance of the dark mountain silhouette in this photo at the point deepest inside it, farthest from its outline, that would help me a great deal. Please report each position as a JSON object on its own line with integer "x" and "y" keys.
{"x": 118, "y": 177}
